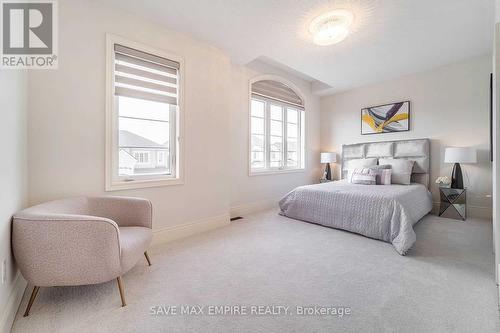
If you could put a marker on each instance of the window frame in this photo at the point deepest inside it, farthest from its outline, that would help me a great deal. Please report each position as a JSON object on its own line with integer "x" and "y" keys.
{"x": 301, "y": 139}
{"x": 114, "y": 182}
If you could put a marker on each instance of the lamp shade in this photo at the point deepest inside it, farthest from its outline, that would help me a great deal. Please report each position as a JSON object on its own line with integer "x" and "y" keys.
{"x": 328, "y": 157}
{"x": 460, "y": 155}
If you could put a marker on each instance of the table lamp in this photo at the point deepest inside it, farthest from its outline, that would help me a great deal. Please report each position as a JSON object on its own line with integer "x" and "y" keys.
{"x": 459, "y": 155}
{"x": 328, "y": 158}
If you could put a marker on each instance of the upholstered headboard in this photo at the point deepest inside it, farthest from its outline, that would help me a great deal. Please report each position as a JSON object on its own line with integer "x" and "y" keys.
{"x": 416, "y": 150}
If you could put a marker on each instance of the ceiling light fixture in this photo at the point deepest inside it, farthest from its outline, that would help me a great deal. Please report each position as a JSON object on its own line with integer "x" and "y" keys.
{"x": 332, "y": 27}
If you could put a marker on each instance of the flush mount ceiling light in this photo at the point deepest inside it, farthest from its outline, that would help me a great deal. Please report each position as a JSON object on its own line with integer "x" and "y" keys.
{"x": 332, "y": 27}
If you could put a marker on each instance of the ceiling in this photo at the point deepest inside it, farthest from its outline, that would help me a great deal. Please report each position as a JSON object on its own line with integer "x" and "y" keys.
{"x": 390, "y": 38}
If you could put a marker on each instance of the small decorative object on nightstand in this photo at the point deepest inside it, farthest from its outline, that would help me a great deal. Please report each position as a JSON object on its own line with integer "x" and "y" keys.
{"x": 328, "y": 158}
{"x": 443, "y": 181}
{"x": 453, "y": 199}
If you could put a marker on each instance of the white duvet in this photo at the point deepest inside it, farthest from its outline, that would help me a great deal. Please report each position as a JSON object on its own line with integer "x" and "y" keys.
{"x": 384, "y": 212}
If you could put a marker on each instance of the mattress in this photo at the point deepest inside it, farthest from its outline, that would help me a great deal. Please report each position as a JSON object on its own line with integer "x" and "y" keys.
{"x": 383, "y": 212}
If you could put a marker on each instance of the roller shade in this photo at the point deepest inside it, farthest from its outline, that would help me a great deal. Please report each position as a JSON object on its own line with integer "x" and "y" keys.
{"x": 277, "y": 91}
{"x": 145, "y": 76}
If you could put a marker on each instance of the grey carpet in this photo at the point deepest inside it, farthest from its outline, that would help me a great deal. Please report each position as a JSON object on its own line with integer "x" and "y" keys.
{"x": 444, "y": 284}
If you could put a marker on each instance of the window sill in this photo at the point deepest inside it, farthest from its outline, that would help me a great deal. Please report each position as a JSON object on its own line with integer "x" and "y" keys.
{"x": 137, "y": 184}
{"x": 275, "y": 172}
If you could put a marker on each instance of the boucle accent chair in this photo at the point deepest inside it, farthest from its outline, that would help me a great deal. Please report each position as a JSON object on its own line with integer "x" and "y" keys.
{"x": 80, "y": 241}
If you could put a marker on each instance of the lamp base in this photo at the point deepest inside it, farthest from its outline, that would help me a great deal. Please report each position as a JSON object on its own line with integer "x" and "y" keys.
{"x": 457, "y": 180}
{"x": 328, "y": 172}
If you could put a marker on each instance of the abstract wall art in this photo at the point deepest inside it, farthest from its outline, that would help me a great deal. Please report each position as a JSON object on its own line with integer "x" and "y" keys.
{"x": 388, "y": 118}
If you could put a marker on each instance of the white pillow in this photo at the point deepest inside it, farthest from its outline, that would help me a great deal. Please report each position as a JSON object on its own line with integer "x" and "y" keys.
{"x": 358, "y": 163}
{"x": 363, "y": 176}
{"x": 401, "y": 170}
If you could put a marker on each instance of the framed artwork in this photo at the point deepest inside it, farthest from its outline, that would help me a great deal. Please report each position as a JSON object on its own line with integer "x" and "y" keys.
{"x": 387, "y": 118}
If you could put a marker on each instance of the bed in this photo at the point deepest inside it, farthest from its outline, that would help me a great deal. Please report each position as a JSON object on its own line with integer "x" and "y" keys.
{"x": 383, "y": 212}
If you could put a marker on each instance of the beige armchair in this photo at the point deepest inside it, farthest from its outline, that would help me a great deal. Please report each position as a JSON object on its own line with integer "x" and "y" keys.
{"x": 80, "y": 241}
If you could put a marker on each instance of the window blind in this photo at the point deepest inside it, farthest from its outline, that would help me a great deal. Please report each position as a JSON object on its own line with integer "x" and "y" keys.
{"x": 145, "y": 76}
{"x": 277, "y": 91}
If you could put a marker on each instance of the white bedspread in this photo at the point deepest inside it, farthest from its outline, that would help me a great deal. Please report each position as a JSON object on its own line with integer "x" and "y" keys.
{"x": 384, "y": 212}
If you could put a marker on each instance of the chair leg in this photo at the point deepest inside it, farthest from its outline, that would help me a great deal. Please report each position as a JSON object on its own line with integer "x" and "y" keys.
{"x": 122, "y": 292}
{"x": 147, "y": 258}
{"x": 32, "y": 299}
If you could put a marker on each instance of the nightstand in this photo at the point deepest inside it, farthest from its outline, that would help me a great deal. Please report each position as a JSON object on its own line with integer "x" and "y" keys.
{"x": 453, "y": 200}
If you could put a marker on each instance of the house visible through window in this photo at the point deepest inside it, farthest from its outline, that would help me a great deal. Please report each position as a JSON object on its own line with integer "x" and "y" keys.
{"x": 142, "y": 157}
{"x": 146, "y": 108}
{"x": 276, "y": 128}
{"x": 161, "y": 157}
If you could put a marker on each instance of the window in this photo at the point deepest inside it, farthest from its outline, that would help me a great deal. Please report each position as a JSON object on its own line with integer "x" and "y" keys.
{"x": 161, "y": 157}
{"x": 143, "y": 124}
{"x": 276, "y": 128}
{"x": 142, "y": 157}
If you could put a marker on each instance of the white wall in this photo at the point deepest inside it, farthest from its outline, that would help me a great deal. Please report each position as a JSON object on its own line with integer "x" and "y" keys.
{"x": 67, "y": 116}
{"x": 449, "y": 105}
{"x": 13, "y": 94}
{"x": 67, "y": 121}
{"x": 254, "y": 192}
{"x": 496, "y": 151}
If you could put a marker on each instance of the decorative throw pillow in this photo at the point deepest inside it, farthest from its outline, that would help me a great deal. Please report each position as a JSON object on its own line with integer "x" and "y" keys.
{"x": 401, "y": 170}
{"x": 365, "y": 176}
{"x": 384, "y": 177}
{"x": 358, "y": 163}
{"x": 382, "y": 174}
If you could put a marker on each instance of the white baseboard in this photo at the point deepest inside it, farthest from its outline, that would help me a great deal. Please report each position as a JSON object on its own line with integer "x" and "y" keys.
{"x": 498, "y": 288}
{"x": 472, "y": 211}
{"x": 9, "y": 313}
{"x": 169, "y": 234}
{"x": 480, "y": 212}
{"x": 499, "y": 298}
{"x": 254, "y": 207}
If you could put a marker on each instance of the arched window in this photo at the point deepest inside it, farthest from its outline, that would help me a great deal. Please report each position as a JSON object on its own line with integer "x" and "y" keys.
{"x": 277, "y": 123}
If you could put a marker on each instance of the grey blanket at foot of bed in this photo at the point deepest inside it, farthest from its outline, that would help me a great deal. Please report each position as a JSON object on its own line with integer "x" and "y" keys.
{"x": 384, "y": 212}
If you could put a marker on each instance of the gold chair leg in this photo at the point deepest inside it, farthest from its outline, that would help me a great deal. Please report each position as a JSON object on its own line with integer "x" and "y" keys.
{"x": 147, "y": 258}
{"x": 122, "y": 292}
{"x": 32, "y": 299}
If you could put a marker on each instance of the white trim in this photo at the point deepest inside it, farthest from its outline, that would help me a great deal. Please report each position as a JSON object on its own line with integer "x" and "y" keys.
{"x": 498, "y": 288}
{"x": 168, "y": 234}
{"x": 253, "y": 207}
{"x": 267, "y": 172}
{"x": 472, "y": 211}
{"x": 302, "y": 136}
{"x": 480, "y": 212}
{"x": 9, "y": 312}
{"x": 144, "y": 184}
{"x": 112, "y": 184}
